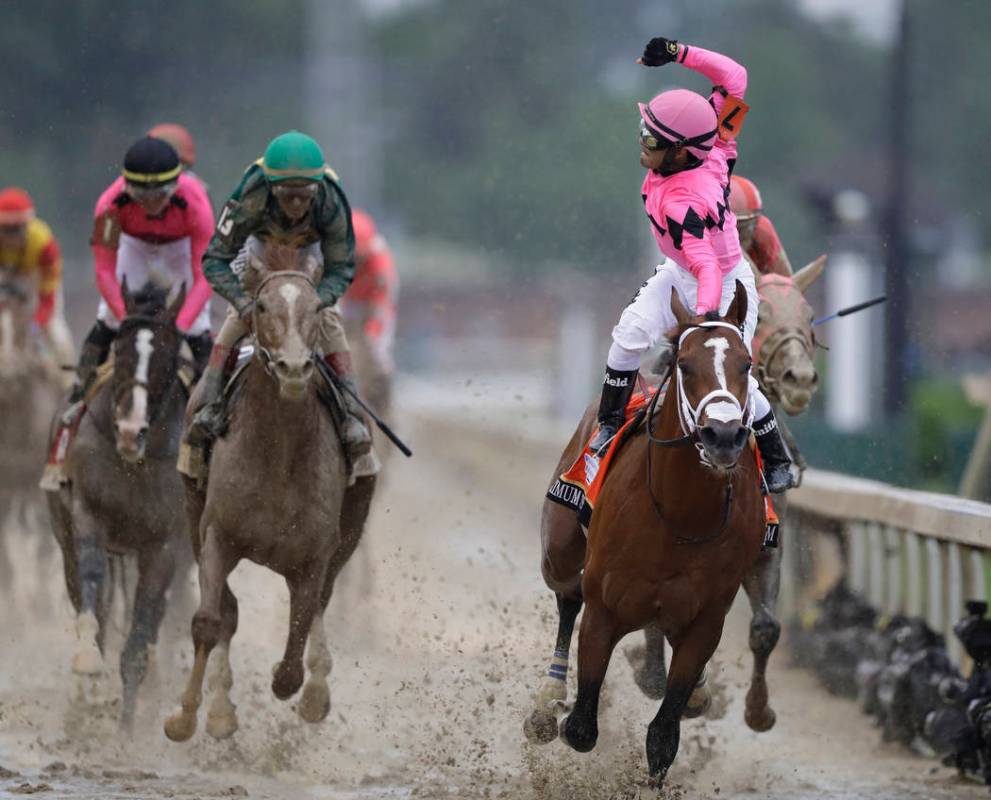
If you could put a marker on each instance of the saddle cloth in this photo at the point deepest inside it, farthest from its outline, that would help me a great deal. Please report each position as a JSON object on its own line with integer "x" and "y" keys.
{"x": 579, "y": 486}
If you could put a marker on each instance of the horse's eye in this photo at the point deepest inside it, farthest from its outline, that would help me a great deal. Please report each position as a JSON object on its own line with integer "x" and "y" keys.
{"x": 262, "y": 308}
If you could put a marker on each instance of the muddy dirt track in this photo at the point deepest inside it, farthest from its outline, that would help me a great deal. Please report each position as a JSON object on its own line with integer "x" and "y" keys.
{"x": 440, "y": 631}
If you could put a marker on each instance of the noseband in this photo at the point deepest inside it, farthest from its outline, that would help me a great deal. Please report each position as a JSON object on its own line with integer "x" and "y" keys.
{"x": 688, "y": 417}
{"x": 264, "y": 353}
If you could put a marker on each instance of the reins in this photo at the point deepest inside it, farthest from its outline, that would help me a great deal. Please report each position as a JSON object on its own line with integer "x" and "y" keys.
{"x": 688, "y": 438}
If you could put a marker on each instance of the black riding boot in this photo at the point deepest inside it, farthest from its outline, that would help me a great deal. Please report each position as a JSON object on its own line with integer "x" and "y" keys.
{"x": 200, "y": 346}
{"x": 95, "y": 350}
{"x": 616, "y": 390}
{"x": 777, "y": 462}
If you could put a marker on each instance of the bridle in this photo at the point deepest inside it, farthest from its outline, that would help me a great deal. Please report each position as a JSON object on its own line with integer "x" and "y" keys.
{"x": 773, "y": 342}
{"x": 267, "y": 359}
{"x": 688, "y": 419}
{"x": 144, "y": 321}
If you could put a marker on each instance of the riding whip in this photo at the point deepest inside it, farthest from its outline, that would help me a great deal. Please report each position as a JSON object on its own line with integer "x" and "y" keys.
{"x": 851, "y": 309}
{"x": 378, "y": 421}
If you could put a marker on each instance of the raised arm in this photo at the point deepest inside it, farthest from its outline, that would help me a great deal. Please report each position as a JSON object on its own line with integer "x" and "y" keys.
{"x": 721, "y": 70}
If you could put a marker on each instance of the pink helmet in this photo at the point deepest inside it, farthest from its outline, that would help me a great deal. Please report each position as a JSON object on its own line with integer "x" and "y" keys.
{"x": 682, "y": 117}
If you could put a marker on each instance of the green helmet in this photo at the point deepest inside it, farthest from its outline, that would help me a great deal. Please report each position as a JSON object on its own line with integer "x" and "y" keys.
{"x": 293, "y": 155}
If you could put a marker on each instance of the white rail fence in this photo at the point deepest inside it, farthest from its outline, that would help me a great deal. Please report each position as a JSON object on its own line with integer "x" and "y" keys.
{"x": 910, "y": 552}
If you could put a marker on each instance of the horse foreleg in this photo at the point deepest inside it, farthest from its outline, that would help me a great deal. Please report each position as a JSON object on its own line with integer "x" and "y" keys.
{"x": 761, "y": 584}
{"x": 221, "y": 718}
{"x": 91, "y": 563}
{"x": 314, "y": 705}
{"x": 215, "y": 566}
{"x": 597, "y": 637}
{"x": 156, "y": 568}
{"x": 691, "y": 652}
{"x": 541, "y": 725}
{"x": 304, "y": 604}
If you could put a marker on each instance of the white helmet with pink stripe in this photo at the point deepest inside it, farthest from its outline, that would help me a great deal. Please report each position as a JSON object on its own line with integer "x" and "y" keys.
{"x": 681, "y": 118}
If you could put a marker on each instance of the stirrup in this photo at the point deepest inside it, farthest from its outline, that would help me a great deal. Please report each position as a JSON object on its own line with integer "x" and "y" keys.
{"x": 778, "y": 478}
{"x": 603, "y": 438}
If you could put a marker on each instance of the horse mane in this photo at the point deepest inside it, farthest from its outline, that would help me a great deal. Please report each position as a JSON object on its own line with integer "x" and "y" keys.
{"x": 151, "y": 299}
{"x": 283, "y": 256}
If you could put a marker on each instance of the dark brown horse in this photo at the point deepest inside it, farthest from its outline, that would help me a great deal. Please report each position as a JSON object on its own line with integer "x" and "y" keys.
{"x": 123, "y": 493}
{"x": 678, "y": 523}
{"x": 277, "y": 495}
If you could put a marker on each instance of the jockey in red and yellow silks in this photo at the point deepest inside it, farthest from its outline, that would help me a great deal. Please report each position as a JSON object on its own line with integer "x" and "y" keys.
{"x": 29, "y": 249}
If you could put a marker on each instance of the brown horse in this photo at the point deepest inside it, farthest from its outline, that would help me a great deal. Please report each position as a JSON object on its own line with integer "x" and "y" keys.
{"x": 784, "y": 351}
{"x": 678, "y": 523}
{"x": 123, "y": 494}
{"x": 277, "y": 494}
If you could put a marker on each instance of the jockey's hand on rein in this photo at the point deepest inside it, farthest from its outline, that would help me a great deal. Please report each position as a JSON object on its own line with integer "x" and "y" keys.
{"x": 659, "y": 51}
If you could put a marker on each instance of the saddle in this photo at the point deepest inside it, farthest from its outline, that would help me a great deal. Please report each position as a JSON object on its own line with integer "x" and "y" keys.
{"x": 578, "y": 488}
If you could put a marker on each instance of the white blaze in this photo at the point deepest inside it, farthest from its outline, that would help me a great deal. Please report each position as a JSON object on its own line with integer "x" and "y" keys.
{"x": 290, "y": 293}
{"x": 719, "y": 347}
{"x": 138, "y": 417}
{"x": 145, "y": 349}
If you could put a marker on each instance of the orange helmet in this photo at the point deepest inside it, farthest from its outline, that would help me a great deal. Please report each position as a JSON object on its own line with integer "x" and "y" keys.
{"x": 179, "y": 138}
{"x": 16, "y": 207}
{"x": 744, "y": 199}
{"x": 364, "y": 233}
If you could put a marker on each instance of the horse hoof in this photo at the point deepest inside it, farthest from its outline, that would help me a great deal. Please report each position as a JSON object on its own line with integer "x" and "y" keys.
{"x": 760, "y": 721}
{"x": 577, "y": 736}
{"x": 540, "y": 727}
{"x": 314, "y": 705}
{"x": 88, "y": 661}
{"x": 287, "y": 680}
{"x": 180, "y": 727}
{"x": 221, "y": 726}
{"x": 697, "y": 706}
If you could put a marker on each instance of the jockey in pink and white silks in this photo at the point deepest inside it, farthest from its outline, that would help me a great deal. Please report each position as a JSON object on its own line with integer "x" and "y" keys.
{"x": 153, "y": 223}
{"x": 688, "y": 146}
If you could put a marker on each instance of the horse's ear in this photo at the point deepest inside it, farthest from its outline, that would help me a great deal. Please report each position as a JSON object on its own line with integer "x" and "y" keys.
{"x": 311, "y": 267}
{"x": 125, "y": 293}
{"x": 810, "y": 273}
{"x": 177, "y": 301}
{"x": 737, "y": 313}
{"x": 681, "y": 313}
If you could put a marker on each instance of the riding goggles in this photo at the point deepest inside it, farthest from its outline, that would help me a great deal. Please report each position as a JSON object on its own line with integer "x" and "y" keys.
{"x": 651, "y": 140}
{"x": 289, "y": 191}
{"x": 151, "y": 193}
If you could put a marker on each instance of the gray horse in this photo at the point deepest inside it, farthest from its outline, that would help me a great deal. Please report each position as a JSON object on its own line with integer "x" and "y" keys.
{"x": 277, "y": 494}
{"x": 28, "y": 397}
{"x": 123, "y": 493}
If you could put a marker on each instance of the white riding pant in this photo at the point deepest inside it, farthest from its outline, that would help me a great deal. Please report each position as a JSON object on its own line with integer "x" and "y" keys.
{"x": 166, "y": 264}
{"x": 649, "y": 317}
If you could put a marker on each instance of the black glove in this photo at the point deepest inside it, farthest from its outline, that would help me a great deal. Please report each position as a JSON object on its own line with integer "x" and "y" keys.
{"x": 659, "y": 51}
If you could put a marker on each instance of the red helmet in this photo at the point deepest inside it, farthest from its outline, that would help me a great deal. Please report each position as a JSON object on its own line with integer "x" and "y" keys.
{"x": 179, "y": 138}
{"x": 744, "y": 198}
{"x": 364, "y": 233}
{"x": 16, "y": 207}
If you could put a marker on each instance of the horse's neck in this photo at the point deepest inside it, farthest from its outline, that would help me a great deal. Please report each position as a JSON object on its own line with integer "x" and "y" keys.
{"x": 277, "y": 430}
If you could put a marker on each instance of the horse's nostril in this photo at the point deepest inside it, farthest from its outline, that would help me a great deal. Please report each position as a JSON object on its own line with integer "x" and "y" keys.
{"x": 307, "y": 368}
{"x": 708, "y": 436}
{"x": 741, "y": 437}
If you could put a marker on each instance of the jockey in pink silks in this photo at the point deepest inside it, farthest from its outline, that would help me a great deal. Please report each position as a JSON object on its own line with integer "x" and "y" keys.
{"x": 688, "y": 146}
